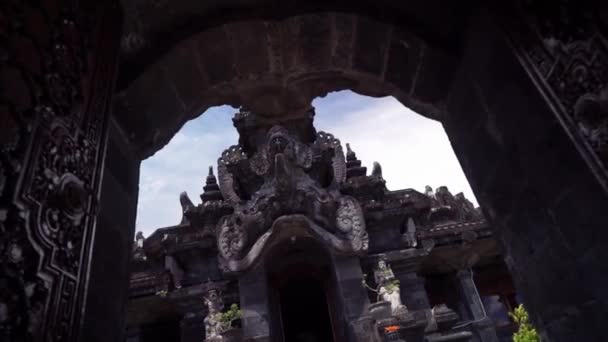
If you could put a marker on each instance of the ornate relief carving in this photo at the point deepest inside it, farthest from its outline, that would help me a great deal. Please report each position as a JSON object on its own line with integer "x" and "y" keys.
{"x": 49, "y": 162}
{"x": 288, "y": 190}
{"x": 60, "y": 190}
{"x": 351, "y": 223}
{"x": 570, "y": 55}
{"x": 231, "y": 157}
{"x": 591, "y": 113}
{"x": 326, "y": 141}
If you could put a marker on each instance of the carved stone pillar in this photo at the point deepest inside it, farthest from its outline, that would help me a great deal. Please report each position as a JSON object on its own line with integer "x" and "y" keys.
{"x": 255, "y": 307}
{"x": 481, "y": 324}
{"x": 353, "y": 301}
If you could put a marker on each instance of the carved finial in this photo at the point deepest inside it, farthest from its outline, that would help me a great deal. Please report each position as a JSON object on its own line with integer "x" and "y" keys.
{"x": 353, "y": 165}
{"x": 185, "y": 200}
{"x": 187, "y": 205}
{"x": 211, "y": 191}
{"x": 377, "y": 170}
{"x": 350, "y": 155}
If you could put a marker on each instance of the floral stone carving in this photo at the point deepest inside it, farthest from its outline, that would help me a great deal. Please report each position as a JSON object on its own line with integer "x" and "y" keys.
{"x": 288, "y": 188}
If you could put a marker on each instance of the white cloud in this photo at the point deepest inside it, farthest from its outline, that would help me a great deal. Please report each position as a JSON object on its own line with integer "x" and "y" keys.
{"x": 182, "y": 166}
{"x": 414, "y": 151}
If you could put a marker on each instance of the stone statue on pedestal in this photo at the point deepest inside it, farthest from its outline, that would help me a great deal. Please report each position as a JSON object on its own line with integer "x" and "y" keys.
{"x": 138, "y": 248}
{"x": 213, "y": 327}
{"x": 388, "y": 288}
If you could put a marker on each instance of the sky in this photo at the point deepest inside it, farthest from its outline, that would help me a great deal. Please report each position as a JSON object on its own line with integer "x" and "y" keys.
{"x": 414, "y": 151}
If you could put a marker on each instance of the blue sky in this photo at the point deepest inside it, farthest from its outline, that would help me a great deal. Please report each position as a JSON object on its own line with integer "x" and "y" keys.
{"x": 414, "y": 151}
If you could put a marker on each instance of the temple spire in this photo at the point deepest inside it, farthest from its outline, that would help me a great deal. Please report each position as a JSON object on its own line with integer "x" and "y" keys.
{"x": 211, "y": 191}
{"x": 353, "y": 165}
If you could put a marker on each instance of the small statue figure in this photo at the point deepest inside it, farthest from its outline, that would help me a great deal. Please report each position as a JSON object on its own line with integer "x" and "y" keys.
{"x": 138, "y": 250}
{"x": 213, "y": 326}
{"x": 186, "y": 204}
{"x": 387, "y": 288}
{"x": 466, "y": 209}
{"x": 410, "y": 233}
{"x": 139, "y": 238}
{"x": 444, "y": 196}
{"x": 377, "y": 170}
{"x": 428, "y": 191}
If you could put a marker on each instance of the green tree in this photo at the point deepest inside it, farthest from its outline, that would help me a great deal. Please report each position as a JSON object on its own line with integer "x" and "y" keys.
{"x": 526, "y": 332}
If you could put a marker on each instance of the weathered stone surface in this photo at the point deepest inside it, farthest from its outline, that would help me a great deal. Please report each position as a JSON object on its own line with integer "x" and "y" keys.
{"x": 145, "y": 105}
{"x": 315, "y": 41}
{"x": 434, "y": 75}
{"x": 343, "y": 40}
{"x": 371, "y": 46}
{"x": 217, "y": 55}
{"x": 404, "y": 59}
{"x": 290, "y": 29}
{"x": 183, "y": 70}
{"x": 250, "y": 44}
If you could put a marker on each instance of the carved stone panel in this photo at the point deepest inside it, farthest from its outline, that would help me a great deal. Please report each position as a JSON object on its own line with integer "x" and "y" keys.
{"x": 55, "y": 81}
{"x": 564, "y": 46}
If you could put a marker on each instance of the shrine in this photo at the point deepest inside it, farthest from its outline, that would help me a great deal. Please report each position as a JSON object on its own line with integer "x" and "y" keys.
{"x": 311, "y": 247}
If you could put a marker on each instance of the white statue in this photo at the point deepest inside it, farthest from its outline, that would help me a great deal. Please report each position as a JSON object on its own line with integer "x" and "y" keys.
{"x": 139, "y": 238}
{"x": 213, "y": 328}
{"x": 410, "y": 233}
{"x": 138, "y": 248}
{"x": 429, "y": 191}
{"x": 388, "y": 287}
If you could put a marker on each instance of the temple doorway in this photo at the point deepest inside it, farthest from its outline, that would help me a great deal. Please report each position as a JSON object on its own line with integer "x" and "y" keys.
{"x": 304, "y": 311}
{"x": 301, "y": 293}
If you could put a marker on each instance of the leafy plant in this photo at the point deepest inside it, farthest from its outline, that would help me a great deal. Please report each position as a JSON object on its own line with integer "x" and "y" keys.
{"x": 526, "y": 332}
{"x": 227, "y": 318}
{"x": 392, "y": 286}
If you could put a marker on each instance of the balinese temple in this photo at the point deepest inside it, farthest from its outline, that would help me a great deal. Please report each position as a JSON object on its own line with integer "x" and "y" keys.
{"x": 295, "y": 240}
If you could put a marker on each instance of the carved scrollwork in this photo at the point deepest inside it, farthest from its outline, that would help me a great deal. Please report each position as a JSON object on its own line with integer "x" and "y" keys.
{"x": 350, "y": 222}
{"x": 63, "y": 170}
{"x": 326, "y": 141}
{"x": 591, "y": 113}
{"x": 231, "y": 238}
{"x": 289, "y": 190}
{"x": 230, "y": 157}
{"x": 50, "y": 160}
{"x": 571, "y": 58}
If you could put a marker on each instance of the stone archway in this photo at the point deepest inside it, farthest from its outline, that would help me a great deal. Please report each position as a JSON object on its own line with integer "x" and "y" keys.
{"x": 277, "y": 67}
{"x": 501, "y": 126}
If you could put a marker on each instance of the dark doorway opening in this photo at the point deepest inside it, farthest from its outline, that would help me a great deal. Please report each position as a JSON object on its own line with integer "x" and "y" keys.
{"x": 305, "y": 312}
{"x": 302, "y": 292}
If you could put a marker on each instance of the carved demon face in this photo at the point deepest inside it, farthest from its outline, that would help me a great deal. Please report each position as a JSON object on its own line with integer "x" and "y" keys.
{"x": 278, "y": 140}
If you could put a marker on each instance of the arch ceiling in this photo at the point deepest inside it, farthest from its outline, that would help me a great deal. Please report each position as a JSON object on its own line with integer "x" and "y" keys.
{"x": 277, "y": 67}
